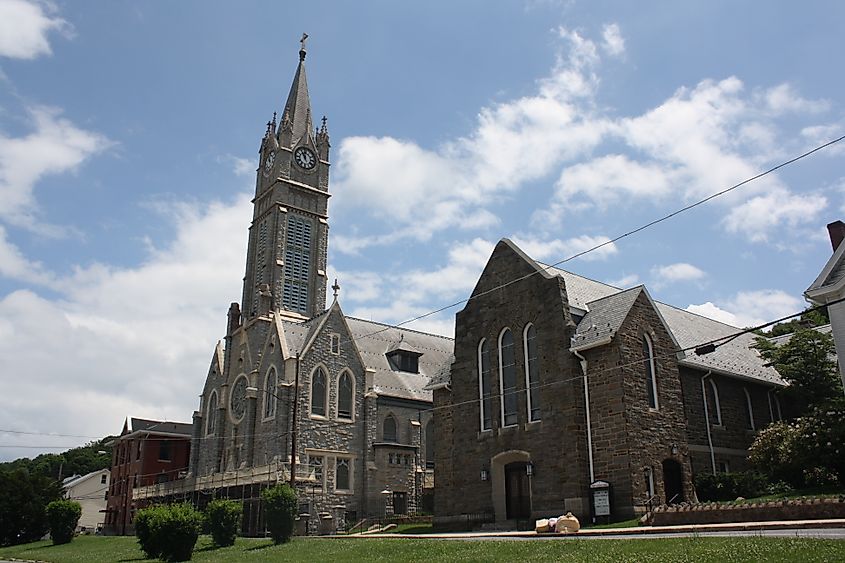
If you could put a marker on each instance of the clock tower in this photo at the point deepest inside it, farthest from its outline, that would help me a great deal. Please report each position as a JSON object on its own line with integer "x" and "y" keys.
{"x": 288, "y": 237}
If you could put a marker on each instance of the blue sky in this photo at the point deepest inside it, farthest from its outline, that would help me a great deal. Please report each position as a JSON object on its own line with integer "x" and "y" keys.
{"x": 129, "y": 134}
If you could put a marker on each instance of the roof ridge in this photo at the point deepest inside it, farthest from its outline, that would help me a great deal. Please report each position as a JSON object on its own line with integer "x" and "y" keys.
{"x": 398, "y": 327}
{"x": 549, "y": 267}
{"x": 700, "y": 315}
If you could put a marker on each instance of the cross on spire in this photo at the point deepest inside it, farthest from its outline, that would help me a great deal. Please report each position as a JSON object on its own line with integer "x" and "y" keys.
{"x": 336, "y": 288}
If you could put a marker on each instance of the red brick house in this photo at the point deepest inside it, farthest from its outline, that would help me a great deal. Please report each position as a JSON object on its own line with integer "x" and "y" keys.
{"x": 147, "y": 452}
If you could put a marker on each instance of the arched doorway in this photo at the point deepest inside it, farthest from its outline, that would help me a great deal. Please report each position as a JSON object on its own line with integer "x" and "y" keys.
{"x": 517, "y": 492}
{"x": 673, "y": 481}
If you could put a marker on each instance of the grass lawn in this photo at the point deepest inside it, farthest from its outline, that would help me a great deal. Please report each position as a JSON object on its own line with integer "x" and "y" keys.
{"x": 124, "y": 549}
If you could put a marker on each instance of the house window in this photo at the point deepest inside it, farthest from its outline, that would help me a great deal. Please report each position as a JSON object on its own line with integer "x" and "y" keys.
{"x": 649, "y": 482}
{"x": 334, "y": 343}
{"x": 164, "y": 450}
{"x": 401, "y": 360}
{"x": 343, "y": 474}
{"x": 318, "y": 393}
{"x": 507, "y": 378}
{"x": 774, "y": 406}
{"x": 532, "y": 373}
{"x": 297, "y": 264}
{"x": 316, "y": 463}
{"x": 211, "y": 415}
{"x": 270, "y": 394}
{"x": 137, "y": 450}
{"x": 650, "y": 373}
{"x": 344, "y": 396}
{"x": 724, "y": 467}
{"x": 749, "y": 410}
{"x": 485, "y": 385}
{"x": 429, "y": 445}
{"x": 103, "y": 479}
{"x": 388, "y": 430}
{"x": 717, "y": 408}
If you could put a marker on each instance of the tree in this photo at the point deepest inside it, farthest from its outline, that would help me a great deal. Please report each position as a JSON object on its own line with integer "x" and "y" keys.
{"x": 63, "y": 516}
{"x": 806, "y": 362}
{"x": 280, "y": 511}
{"x": 23, "y": 499}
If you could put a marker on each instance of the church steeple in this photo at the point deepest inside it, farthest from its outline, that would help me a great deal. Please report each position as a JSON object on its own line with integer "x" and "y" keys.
{"x": 286, "y": 259}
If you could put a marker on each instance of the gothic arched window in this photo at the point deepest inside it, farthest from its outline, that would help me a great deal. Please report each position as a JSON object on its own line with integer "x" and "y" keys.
{"x": 270, "y": 393}
{"x": 485, "y": 385}
{"x": 650, "y": 373}
{"x": 388, "y": 430}
{"x": 211, "y": 414}
{"x": 749, "y": 410}
{"x": 507, "y": 378}
{"x": 297, "y": 264}
{"x": 429, "y": 444}
{"x": 532, "y": 373}
{"x": 344, "y": 396}
{"x": 716, "y": 419}
{"x": 318, "y": 393}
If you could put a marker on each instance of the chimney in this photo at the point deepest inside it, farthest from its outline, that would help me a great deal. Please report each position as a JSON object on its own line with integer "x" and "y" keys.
{"x": 836, "y": 230}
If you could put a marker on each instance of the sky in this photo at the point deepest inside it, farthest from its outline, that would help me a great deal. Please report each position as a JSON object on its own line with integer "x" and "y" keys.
{"x": 129, "y": 136}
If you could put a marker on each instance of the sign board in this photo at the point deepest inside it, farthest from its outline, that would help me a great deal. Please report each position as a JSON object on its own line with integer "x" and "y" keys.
{"x": 600, "y": 492}
{"x": 601, "y": 502}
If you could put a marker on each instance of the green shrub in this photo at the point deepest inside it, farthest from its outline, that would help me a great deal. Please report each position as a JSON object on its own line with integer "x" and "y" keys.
{"x": 63, "y": 515}
{"x": 728, "y": 486}
{"x": 168, "y": 532}
{"x": 280, "y": 511}
{"x": 223, "y": 517}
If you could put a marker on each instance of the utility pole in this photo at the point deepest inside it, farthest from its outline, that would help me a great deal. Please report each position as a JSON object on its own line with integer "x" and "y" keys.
{"x": 293, "y": 425}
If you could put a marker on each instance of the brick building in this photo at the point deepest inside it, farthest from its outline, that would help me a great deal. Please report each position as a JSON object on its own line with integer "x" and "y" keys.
{"x": 146, "y": 452}
{"x": 560, "y": 381}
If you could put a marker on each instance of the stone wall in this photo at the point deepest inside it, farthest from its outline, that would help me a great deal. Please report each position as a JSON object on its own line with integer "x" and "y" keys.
{"x": 715, "y": 513}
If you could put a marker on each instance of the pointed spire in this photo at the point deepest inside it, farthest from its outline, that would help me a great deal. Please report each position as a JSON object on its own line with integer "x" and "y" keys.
{"x": 298, "y": 105}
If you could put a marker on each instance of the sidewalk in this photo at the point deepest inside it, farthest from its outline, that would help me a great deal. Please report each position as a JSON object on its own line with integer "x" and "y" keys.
{"x": 610, "y": 532}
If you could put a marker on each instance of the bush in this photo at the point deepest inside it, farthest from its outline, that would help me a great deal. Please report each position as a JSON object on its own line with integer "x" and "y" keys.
{"x": 728, "y": 486}
{"x": 280, "y": 511}
{"x": 63, "y": 515}
{"x": 223, "y": 517}
{"x": 168, "y": 532}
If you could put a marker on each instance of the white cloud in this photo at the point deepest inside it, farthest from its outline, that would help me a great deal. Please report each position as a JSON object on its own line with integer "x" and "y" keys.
{"x": 626, "y": 281}
{"x": 129, "y": 340}
{"x": 557, "y": 249}
{"x": 750, "y": 308}
{"x": 758, "y": 217}
{"x": 679, "y": 272}
{"x": 614, "y": 43}
{"x": 55, "y": 146}
{"x": 25, "y": 26}
{"x": 784, "y": 99}
{"x": 14, "y": 265}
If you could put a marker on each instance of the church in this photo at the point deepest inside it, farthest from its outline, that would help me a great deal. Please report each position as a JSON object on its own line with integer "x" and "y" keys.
{"x": 300, "y": 390}
{"x": 555, "y": 385}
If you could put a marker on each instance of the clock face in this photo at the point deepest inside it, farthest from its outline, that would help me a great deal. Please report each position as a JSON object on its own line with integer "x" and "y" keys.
{"x": 238, "y": 402}
{"x": 268, "y": 164}
{"x": 305, "y": 157}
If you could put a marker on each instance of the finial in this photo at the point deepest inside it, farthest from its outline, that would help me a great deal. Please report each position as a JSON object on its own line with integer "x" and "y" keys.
{"x": 274, "y": 118}
{"x": 323, "y": 128}
{"x": 302, "y": 47}
{"x": 336, "y": 288}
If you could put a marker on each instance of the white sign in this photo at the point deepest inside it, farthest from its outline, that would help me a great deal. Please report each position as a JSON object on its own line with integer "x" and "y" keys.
{"x": 601, "y": 502}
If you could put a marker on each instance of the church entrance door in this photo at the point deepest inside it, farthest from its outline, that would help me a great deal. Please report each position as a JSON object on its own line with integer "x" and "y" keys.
{"x": 517, "y": 495}
{"x": 400, "y": 503}
{"x": 673, "y": 481}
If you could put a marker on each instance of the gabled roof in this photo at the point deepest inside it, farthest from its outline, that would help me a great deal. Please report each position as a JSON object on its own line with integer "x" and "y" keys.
{"x": 74, "y": 480}
{"x": 146, "y": 425}
{"x": 581, "y": 290}
{"x": 375, "y": 339}
{"x": 402, "y": 346}
{"x": 831, "y": 280}
{"x": 605, "y": 317}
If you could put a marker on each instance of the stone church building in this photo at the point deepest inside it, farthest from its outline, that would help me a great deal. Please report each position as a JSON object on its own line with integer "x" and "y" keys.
{"x": 297, "y": 388}
{"x": 560, "y": 382}
{"x": 553, "y": 383}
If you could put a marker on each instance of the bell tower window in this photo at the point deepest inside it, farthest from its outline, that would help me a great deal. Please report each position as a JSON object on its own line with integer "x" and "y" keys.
{"x": 297, "y": 264}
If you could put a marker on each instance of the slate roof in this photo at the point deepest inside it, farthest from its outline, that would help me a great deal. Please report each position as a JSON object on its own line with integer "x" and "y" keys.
{"x": 375, "y": 339}
{"x": 298, "y": 105}
{"x": 579, "y": 289}
{"x": 147, "y": 425}
{"x": 605, "y": 317}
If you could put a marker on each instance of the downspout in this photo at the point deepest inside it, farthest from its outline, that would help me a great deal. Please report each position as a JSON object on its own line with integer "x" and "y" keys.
{"x": 707, "y": 420}
{"x": 583, "y": 362}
